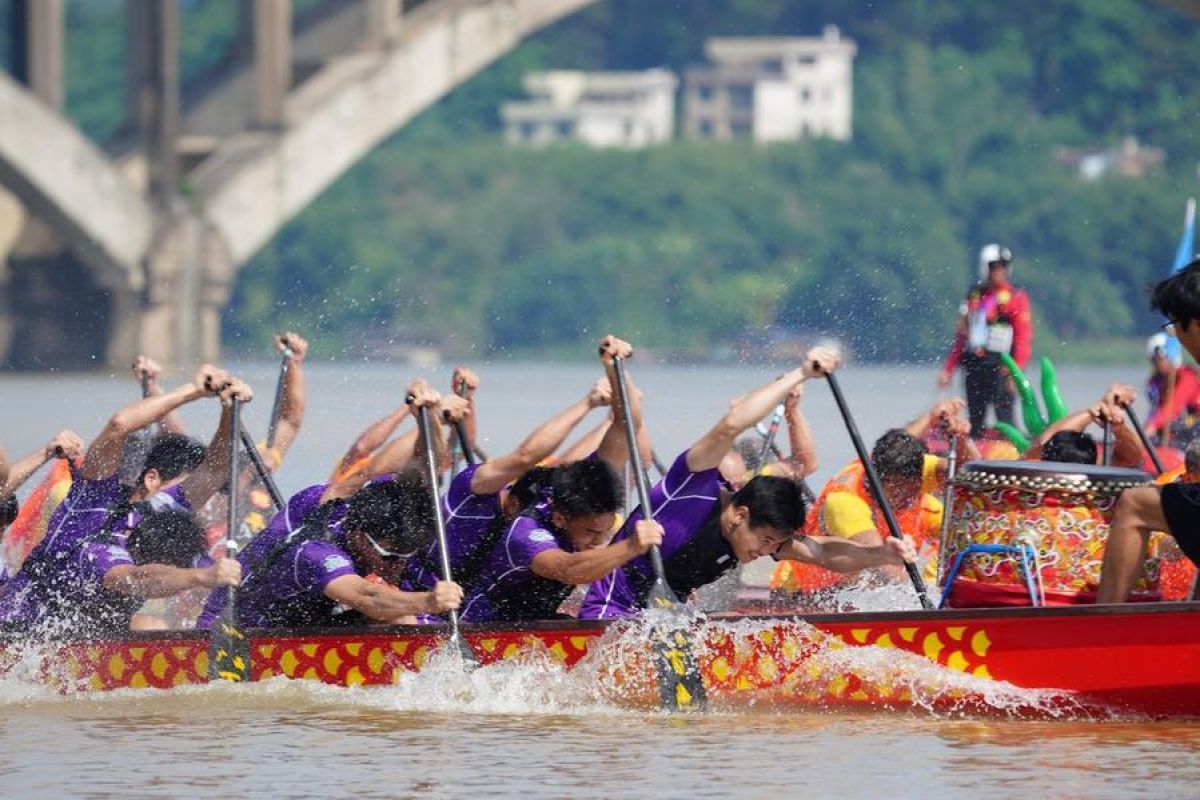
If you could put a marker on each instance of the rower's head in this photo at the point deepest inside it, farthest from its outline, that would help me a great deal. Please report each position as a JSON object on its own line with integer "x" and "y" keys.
{"x": 1162, "y": 361}
{"x": 899, "y": 460}
{"x": 586, "y": 497}
{"x": 387, "y": 523}
{"x": 1178, "y": 298}
{"x": 171, "y": 537}
{"x": 170, "y": 459}
{"x": 741, "y": 462}
{"x": 1070, "y": 447}
{"x": 762, "y": 516}
{"x": 994, "y": 260}
{"x": 525, "y": 491}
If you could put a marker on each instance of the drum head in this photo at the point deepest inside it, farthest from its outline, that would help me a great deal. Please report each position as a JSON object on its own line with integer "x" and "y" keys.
{"x": 1054, "y": 469}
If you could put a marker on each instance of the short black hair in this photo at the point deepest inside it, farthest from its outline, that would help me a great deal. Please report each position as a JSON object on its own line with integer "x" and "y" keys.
{"x": 530, "y": 486}
{"x": 773, "y": 502}
{"x": 899, "y": 455}
{"x": 1178, "y": 297}
{"x": 1070, "y": 447}
{"x": 397, "y": 513}
{"x": 172, "y": 454}
{"x": 585, "y": 488}
{"x": 166, "y": 537}
{"x": 9, "y": 508}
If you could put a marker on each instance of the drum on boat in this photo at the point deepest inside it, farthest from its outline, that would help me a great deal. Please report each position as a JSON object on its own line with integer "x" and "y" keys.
{"x": 1033, "y": 533}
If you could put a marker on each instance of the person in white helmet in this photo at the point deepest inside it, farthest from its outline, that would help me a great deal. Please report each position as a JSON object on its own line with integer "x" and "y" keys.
{"x": 996, "y": 319}
{"x": 1173, "y": 390}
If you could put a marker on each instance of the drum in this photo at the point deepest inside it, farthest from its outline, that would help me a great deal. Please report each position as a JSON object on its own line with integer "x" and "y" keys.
{"x": 1027, "y": 529}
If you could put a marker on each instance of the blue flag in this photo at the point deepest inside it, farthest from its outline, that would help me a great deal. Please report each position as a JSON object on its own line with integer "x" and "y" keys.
{"x": 1183, "y": 256}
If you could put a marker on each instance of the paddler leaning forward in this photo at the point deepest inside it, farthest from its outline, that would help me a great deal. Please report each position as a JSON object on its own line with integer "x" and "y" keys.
{"x": 564, "y": 540}
{"x": 316, "y": 574}
{"x": 709, "y": 528}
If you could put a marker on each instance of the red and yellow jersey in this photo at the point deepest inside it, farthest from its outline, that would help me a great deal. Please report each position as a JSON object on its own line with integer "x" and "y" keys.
{"x": 1005, "y": 306}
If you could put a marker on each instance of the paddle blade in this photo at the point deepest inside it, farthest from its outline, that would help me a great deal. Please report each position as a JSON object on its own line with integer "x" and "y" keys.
{"x": 228, "y": 650}
{"x": 680, "y": 684}
{"x": 469, "y": 659}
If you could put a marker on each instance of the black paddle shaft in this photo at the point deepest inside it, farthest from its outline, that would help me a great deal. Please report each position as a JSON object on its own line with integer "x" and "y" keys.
{"x": 277, "y": 406}
{"x": 876, "y": 487}
{"x": 264, "y": 474}
{"x": 639, "y": 476}
{"x": 769, "y": 438}
{"x": 1141, "y": 432}
{"x": 235, "y": 431}
{"x": 439, "y": 520}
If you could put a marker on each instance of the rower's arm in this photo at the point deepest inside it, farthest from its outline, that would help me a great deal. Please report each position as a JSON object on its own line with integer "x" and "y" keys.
{"x": 394, "y": 457}
{"x": 1077, "y": 422}
{"x": 104, "y": 456}
{"x": 385, "y": 603}
{"x": 65, "y": 444}
{"x": 574, "y": 569}
{"x": 373, "y": 438}
{"x": 295, "y": 396}
{"x": 800, "y": 441}
{"x": 843, "y": 555}
{"x": 743, "y": 412}
{"x": 1127, "y": 447}
{"x": 492, "y": 476}
{"x": 163, "y": 580}
{"x": 588, "y": 443}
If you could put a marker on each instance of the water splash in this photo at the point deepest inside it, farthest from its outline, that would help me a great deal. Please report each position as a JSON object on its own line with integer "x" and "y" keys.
{"x": 751, "y": 665}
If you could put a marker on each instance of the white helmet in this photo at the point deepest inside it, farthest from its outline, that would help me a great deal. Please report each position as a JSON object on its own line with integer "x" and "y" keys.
{"x": 1158, "y": 344}
{"x": 991, "y": 253}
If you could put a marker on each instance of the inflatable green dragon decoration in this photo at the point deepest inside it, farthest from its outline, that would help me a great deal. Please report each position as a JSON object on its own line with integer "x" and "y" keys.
{"x": 1031, "y": 412}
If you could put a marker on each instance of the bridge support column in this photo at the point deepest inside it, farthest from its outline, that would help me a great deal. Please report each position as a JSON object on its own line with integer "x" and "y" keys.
{"x": 153, "y": 90}
{"x": 272, "y": 60}
{"x": 382, "y": 22}
{"x": 38, "y": 51}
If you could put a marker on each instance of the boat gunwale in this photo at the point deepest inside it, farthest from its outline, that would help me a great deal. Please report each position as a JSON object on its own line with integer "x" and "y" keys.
{"x": 562, "y": 625}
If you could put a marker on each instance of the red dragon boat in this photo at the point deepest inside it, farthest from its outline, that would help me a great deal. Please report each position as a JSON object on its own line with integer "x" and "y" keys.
{"x": 1136, "y": 659}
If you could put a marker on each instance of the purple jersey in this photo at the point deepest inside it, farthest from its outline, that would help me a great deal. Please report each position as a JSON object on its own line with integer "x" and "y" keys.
{"x": 57, "y": 584}
{"x": 283, "y": 582}
{"x": 507, "y": 588}
{"x": 470, "y": 519}
{"x": 687, "y": 504}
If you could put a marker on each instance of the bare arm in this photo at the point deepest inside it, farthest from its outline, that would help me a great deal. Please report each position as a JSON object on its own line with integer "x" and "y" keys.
{"x": 104, "y": 456}
{"x": 843, "y": 555}
{"x": 147, "y": 372}
{"x": 210, "y": 477}
{"x": 803, "y": 451}
{"x": 588, "y": 443}
{"x": 585, "y": 566}
{"x": 395, "y": 456}
{"x": 4, "y": 471}
{"x": 385, "y": 603}
{"x": 464, "y": 382}
{"x": 65, "y": 444}
{"x": 295, "y": 395}
{"x": 614, "y": 447}
{"x": 494, "y": 475}
{"x": 750, "y": 408}
{"x": 372, "y": 438}
{"x": 1078, "y": 422}
{"x": 163, "y": 580}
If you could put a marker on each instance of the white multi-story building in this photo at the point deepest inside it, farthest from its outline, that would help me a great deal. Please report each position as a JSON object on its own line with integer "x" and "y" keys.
{"x": 600, "y": 109}
{"x": 772, "y": 89}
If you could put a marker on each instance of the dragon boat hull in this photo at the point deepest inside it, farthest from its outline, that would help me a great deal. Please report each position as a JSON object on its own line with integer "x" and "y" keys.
{"x": 1133, "y": 659}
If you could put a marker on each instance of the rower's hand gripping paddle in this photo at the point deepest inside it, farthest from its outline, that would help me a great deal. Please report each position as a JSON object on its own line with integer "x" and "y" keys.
{"x": 680, "y": 684}
{"x": 876, "y": 487}
{"x": 228, "y": 647}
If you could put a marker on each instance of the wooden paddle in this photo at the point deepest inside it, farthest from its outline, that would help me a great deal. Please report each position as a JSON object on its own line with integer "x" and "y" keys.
{"x": 456, "y": 638}
{"x": 680, "y": 684}
{"x": 876, "y": 487}
{"x": 228, "y": 647}
{"x": 948, "y": 496}
{"x": 277, "y": 406}
{"x": 1141, "y": 432}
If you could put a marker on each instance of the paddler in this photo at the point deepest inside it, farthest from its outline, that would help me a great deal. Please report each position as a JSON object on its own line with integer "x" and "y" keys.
{"x": 564, "y": 540}
{"x": 97, "y": 562}
{"x": 709, "y": 528}
{"x": 1173, "y": 390}
{"x": 17, "y": 542}
{"x": 1067, "y": 441}
{"x": 483, "y": 499}
{"x": 1174, "y": 508}
{"x": 745, "y": 458}
{"x": 341, "y": 564}
{"x": 912, "y": 479}
{"x": 994, "y": 319}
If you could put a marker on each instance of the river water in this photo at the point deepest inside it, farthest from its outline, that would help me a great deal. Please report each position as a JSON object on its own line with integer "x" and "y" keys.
{"x": 522, "y": 731}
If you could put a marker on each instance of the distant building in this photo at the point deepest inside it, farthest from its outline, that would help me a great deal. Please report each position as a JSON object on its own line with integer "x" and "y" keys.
{"x": 1129, "y": 160}
{"x": 772, "y": 89}
{"x": 600, "y": 109}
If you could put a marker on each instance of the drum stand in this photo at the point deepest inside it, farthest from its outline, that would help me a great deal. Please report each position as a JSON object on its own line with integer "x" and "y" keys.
{"x": 1026, "y": 555}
